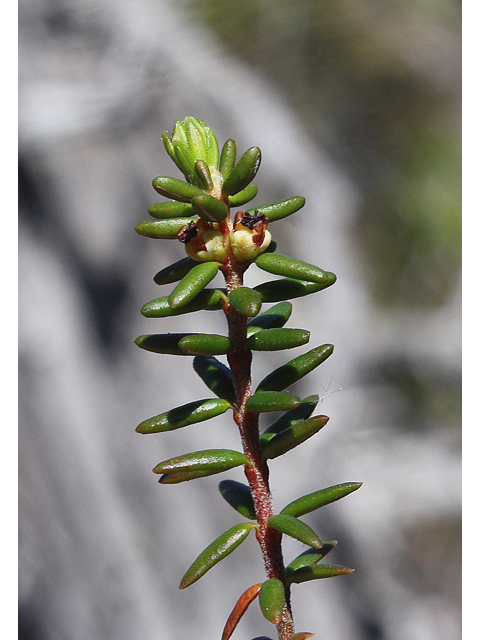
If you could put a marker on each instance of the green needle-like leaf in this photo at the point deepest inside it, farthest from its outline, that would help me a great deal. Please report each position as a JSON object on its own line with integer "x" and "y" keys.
{"x": 185, "y": 415}
{"x": 271, "y": 598}
{"x": 168, "y": 144}
{"x": 243, "y": 172}
{"x": 245, "y": 301}
{"x": 238, "y": 496}
{"x": 292, "y": 437}
{"x": 291, "y": 268}
{"x": 162, "y": 229}
{"x": 286, "y": 288}
{"x": 185, "y": 161}
{"x": 175, "y": 189}
{"x": 208, "y": 460}
{"x": 294, "y": 528}
{"x": 192, "y": 283}
{"x": 276, "y": 339}
{"x": 179, "y": 134}
{"x": 303, "y": 411}
{"x": 273, "y": 318}
{"x": 227, "y": 158}
{"x": 164, "y": 210}
{"x": 295, "y": 369}
{"x": 268, "y": 401}
{"x": 175, "y": 477}
{"x": 162, "y": 343}
{"x": 216, "y": 376}
{"x": 272, "y": 247}
{"x": 318, "y": 499}
{"x": 209, "y": 299}
{"x": 202, "y": 176}
{"x": 310, "y": 557}
{"x": 175, "y": 272}
{"x": 196, "y": 141}
{"x": 219, "y": 549}
{"x": 181, "y": 344}
{"x": 281, "y": 209}
{"x": 243, "y": 196}
{"x": 317, "y": 572}
{"x": 209, "y": 208}
{"x": 211, "y": 148}
{"x": 207, "y": 344}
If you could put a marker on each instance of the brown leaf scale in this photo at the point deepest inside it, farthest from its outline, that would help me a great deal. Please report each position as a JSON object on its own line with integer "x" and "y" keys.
{"x": 239, "y": 609}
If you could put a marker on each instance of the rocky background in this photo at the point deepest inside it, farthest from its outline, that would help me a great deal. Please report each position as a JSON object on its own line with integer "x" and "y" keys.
{"x": 355, "y": 105}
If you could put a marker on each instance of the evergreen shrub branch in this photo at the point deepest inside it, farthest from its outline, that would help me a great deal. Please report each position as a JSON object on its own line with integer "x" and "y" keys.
{"x": 197, "y": 212}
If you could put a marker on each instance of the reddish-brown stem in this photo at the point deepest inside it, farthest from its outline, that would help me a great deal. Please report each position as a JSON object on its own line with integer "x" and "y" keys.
{"x": 257, "y": 474}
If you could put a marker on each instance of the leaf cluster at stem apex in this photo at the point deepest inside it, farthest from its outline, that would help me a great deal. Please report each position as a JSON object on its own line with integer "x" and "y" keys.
{"x": 216, "y": 242}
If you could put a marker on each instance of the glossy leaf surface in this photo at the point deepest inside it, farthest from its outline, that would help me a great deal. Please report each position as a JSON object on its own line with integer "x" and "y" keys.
{"x": 243, "y": 172}
{"x": 175, "y": 189}
{"x": 208, "y": 344}
{"x": 269, "y": 401}
{"x": 175, "y": 477}
{"x": 281, "y": 265}
{"x": 245, "y": 301}
{"x": 227, "y": 158}
{"x": 167, "y": 343}
{"x": 209, "y": 299}
{"x": 192, "y": 283}
{"x": 238, "y": 496}
{"x": 184, "y": 416}
{"x": 295, "y": 369}
{"x": 303, "y": 411}
{"x": 209, "y": 208}
{"x": 185, "y": 161}
{"x": 286, "y": 288}
{"x": 281, "y": 208}
{"x": 301, "y": 636}
{"x": 272, "y": 600}
{"x": 163, "y": 210}
{"x": 318, "y": 499}
{"x": 277, "y": 339}
{"x": 166, "y": 229}
{"x": 207, "y": 460}
{"x": 310, "y": 557}
{"x": 216, "y": 376}
{"x": 273, "y": 318}
{"x": 220, "y": 548}
{"x": 175, "y": 272}
{"x": 294, "y": 528}
{"x": 293, "y": 436}
{"x": 243, "y": 196}
{"x": 202, "y": 176}
{"x": 317, "y": 572}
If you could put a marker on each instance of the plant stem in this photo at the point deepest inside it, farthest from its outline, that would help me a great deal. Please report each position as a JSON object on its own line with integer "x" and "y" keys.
{"x": 240, "y": 360}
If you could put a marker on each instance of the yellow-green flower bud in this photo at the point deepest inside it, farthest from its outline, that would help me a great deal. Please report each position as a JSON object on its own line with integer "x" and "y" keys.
{"x": 202, "y": 242}
{"x": 249, "y": 237}
{"x": 244, "y": 247}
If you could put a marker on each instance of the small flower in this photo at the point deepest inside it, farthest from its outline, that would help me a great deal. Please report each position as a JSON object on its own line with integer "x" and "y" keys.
{"x": 249, "y": 237}
{"x": 202, "y": 242}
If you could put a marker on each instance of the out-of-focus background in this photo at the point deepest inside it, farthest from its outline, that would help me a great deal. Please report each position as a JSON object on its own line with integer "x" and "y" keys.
{"x": 355, "y": 105}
